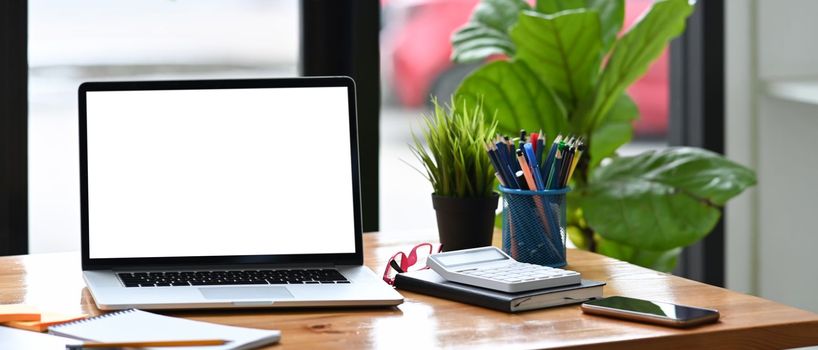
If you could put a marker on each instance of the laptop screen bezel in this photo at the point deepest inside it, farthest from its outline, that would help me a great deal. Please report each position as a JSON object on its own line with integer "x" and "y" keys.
{"x": 355, "y": 258}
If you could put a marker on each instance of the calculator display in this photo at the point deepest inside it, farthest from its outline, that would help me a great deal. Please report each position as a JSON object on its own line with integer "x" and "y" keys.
{"x": 472, "y": 257}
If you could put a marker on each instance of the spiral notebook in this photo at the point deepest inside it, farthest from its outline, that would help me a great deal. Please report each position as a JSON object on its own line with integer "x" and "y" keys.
{"x": 139, "y": 326}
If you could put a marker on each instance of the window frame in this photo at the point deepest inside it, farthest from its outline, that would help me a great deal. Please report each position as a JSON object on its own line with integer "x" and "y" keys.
{"x": 14, "y": 127}
{"x": 697, "y": 114}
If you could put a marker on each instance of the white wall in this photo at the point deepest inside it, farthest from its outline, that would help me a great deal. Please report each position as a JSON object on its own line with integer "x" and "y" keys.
{"x": 771, "y": 231}
{"x": 740, "y": 223}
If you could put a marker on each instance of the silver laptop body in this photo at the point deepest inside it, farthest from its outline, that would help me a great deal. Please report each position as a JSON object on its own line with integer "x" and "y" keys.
{"x": 223, "y": 194}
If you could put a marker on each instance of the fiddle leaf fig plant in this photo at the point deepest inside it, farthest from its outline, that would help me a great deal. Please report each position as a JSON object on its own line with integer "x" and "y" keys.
{"x": 562, "y": 66}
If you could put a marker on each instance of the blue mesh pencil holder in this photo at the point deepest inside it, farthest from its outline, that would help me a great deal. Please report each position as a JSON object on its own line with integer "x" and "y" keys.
{"x": 534, "y": 225}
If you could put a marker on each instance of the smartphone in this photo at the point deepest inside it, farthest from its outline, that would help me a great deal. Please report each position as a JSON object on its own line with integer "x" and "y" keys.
{"x": 665, "y": 314}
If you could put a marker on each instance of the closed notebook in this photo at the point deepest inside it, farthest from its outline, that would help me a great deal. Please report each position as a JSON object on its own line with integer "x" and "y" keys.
{"x": 140, "y": 326}
{"x": 47, "y": 319}
{"x": 430, "y": 283}
{"x": 18, "y": 312}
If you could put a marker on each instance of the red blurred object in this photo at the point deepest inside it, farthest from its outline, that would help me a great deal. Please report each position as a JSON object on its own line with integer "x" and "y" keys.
{"x": 422, "y": 47}
{"x": 651, "y": 92}
{"x": 419, "y": 51}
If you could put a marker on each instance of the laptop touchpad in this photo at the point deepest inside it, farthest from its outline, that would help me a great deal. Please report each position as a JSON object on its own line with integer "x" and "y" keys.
{"x": 241, "y": 293}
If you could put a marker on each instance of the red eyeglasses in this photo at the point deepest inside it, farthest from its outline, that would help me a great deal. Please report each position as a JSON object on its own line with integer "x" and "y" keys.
{"x": 400, "y": 262}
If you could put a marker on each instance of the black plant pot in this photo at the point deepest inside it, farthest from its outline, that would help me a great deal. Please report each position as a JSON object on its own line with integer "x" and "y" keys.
{"x": 465, "y": 222}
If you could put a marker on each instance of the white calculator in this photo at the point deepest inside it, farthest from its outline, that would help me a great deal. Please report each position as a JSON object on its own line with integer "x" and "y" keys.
{"x": 491, "y": 268}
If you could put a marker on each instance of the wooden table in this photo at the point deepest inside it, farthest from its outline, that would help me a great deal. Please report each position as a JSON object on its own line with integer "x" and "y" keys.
{"x": 53, "y": 282}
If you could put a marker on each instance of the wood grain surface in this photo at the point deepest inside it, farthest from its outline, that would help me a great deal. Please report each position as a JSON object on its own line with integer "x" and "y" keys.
{"x": 54, "y": 283}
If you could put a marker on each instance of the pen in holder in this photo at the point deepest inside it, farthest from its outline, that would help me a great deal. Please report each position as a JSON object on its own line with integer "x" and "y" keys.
{"x": 534, "y": 225}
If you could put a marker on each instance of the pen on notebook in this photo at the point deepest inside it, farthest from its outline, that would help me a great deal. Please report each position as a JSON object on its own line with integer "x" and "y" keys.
{"x": 144, "y": 344}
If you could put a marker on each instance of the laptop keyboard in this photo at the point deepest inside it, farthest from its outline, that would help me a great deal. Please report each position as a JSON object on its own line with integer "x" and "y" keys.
{"x": 231, "y": 277}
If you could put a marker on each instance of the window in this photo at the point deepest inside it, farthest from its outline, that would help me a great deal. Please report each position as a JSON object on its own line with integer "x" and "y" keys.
{"x": 90, "y": 40}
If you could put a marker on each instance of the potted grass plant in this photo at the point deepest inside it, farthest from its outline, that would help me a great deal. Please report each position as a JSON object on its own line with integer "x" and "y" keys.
{"x": 452, "y": 152}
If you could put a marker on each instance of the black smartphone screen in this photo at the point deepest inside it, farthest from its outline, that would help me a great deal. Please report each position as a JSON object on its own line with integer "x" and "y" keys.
{"x": 672, "y": 311}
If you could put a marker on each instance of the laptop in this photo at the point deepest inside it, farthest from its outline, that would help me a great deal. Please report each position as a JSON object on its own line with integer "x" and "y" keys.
{"x": 223, "y": 194}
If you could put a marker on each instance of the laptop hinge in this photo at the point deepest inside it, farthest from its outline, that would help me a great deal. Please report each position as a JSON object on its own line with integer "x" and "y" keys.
{"x": 202, "y": 267}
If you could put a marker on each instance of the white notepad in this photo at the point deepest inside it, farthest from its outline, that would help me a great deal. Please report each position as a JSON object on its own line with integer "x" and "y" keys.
{"x": 137, "y": 326}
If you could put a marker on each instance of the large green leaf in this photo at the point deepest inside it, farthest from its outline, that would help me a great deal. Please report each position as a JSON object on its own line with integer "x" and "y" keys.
{"x": 616, "y": 131}
{"x": 486, "y": 33}
{"x": 663, "y": 261}
{"x": 521, "y": 101}
{"x": 563, "y": 49}
{"x": 659, "y": 200}
{"x": 632, "y": 54}
{"x": 611, "y": 14}
{"x": 553, "y": 6}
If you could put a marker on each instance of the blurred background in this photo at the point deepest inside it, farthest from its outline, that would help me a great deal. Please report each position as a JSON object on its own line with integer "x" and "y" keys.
{"x": 94, "y": 40}
{"x": 767, "y": 58}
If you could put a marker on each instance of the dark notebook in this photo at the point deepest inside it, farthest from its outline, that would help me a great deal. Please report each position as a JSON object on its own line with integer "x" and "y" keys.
{"x": 430, "y": 283}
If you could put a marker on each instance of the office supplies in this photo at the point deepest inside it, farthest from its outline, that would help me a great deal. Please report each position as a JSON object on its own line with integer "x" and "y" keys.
{"x": 535, "y": 169}
{"x": 549, "y": 159}
{"x": 495, "y": 162}
{"x": 489, "y": 267}
{"x": 534, "y": 138}
{"x": 47, "y": 319}
{"x": 145, "y": 344}
{"x": 521, "y": 180}
{"x": 500, "y": 179}
{"x": 431, "y": 283}
{"x": 567, "y": 164}
{"x": 18, "y": 312}
{"x": 140, "y": 326}
{"x": 510, "y": 148}
{"x": 655, "y": 312}
{"x": 188, "y": 200}
{"x": 538, "y": 228}
{"x": 529, "y": 180}
{"x": 534, "y": 198}
{"x": 580, "y": 149}
{"x": 14, "y": 339}
{"x": 501, "y": 152}
{"x": 554, "y": 174}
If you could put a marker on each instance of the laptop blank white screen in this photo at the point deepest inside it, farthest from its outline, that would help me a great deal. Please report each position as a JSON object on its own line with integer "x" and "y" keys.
{"x": 219, "y": 172}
